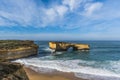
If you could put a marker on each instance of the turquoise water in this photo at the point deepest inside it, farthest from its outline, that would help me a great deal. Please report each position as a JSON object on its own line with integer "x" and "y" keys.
{"x": 101, "y": 62}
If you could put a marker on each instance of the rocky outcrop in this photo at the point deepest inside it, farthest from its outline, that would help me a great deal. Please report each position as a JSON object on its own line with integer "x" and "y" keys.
{"x": 63, "y": 46}
{"x": 13, "y": 49}
{"x": 12, "y": 71}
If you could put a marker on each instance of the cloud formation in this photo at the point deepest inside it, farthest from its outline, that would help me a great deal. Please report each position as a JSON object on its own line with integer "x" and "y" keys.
{"x": 83, "y": 17}
{"x": 91, "y": 7}
{"x": 29, "y": 13}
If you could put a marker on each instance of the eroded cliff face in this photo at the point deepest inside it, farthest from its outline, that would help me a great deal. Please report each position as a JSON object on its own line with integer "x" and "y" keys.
{"x": 12, "y": 71}
{"x": 63, "y": 46}
{"x": 13, "y": 49}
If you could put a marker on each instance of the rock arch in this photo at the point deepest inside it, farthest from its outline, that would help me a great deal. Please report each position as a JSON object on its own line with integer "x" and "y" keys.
{"x": 64, "y": 46}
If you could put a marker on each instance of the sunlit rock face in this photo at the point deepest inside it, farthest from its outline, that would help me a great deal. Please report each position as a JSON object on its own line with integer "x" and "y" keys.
{"x": 13, "y": 49}
{"x": 64, "y": 46}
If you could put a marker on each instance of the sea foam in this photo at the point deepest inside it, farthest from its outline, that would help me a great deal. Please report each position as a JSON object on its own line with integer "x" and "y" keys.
{"x": 74, "y": 66}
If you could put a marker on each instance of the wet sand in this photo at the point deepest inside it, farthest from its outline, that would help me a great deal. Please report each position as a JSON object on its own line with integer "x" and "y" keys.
{"x": 50, "y": 76}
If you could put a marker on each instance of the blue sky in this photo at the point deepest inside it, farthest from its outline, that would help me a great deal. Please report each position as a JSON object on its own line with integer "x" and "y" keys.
{"x": 60, "y": 19}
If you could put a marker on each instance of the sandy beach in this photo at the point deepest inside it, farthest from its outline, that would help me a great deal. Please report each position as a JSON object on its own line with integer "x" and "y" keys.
{"x": 50, "y": 76}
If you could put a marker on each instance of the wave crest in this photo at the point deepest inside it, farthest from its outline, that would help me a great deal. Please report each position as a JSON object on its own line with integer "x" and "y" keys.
{"x": 82, "y": 71}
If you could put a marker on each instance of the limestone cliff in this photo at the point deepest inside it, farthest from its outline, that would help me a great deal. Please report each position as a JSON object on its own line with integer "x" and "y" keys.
{"x": 13, "y": 49}
{"x": 12, "y": 71}
{"x": 63, "y": 46}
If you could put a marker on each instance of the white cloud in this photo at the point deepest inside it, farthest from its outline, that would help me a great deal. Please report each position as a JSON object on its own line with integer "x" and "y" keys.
{"x": 20, "y": 11}
{"x": 108, "y": 11}
{"x": 28, "y": 13}
{"x": 50, "y": 14}
{"x": 73, "y": 4}
{"x": 53, "y": 14}
{"x": 82, "y": 16}
{"x": 90, "y": 8}
{"x": 61, "y": 10}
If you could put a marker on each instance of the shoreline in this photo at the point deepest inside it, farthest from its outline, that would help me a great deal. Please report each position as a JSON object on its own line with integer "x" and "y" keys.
{"x": 56, "y": 75}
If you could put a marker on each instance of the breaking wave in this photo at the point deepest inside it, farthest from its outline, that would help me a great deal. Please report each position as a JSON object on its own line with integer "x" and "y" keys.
{"x": 83, "y": 69}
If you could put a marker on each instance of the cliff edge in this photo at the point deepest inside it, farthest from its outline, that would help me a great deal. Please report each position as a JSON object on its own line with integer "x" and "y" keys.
{"x": 13, "y": 49}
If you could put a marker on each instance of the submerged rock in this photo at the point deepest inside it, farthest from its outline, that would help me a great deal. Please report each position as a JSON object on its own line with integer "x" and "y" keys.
{"x": 13, "y": 49}
{"x": 64, "y": 46}
{"x": 12, "y": 71}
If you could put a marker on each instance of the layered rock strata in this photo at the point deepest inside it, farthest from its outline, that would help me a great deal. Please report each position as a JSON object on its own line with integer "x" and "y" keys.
{"x": 64, "y": 46}
{"x": 13, "y": 49}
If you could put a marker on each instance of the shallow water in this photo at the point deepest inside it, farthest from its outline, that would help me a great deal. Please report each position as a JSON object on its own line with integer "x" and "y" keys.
{"x": 100, "y": 63}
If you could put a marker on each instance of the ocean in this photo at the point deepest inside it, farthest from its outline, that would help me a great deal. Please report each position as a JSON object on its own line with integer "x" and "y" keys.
{"x": 101, "y": 62}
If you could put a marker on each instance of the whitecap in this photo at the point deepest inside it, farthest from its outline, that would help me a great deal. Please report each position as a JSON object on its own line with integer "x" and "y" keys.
{"x": 82, "y": 71}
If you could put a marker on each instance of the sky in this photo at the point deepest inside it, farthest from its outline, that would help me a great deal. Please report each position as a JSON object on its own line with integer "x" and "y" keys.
{"x": 60, "y": 19}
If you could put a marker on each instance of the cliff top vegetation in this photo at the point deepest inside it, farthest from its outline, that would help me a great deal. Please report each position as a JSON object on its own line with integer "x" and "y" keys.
{"x": 15, "y": 44}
